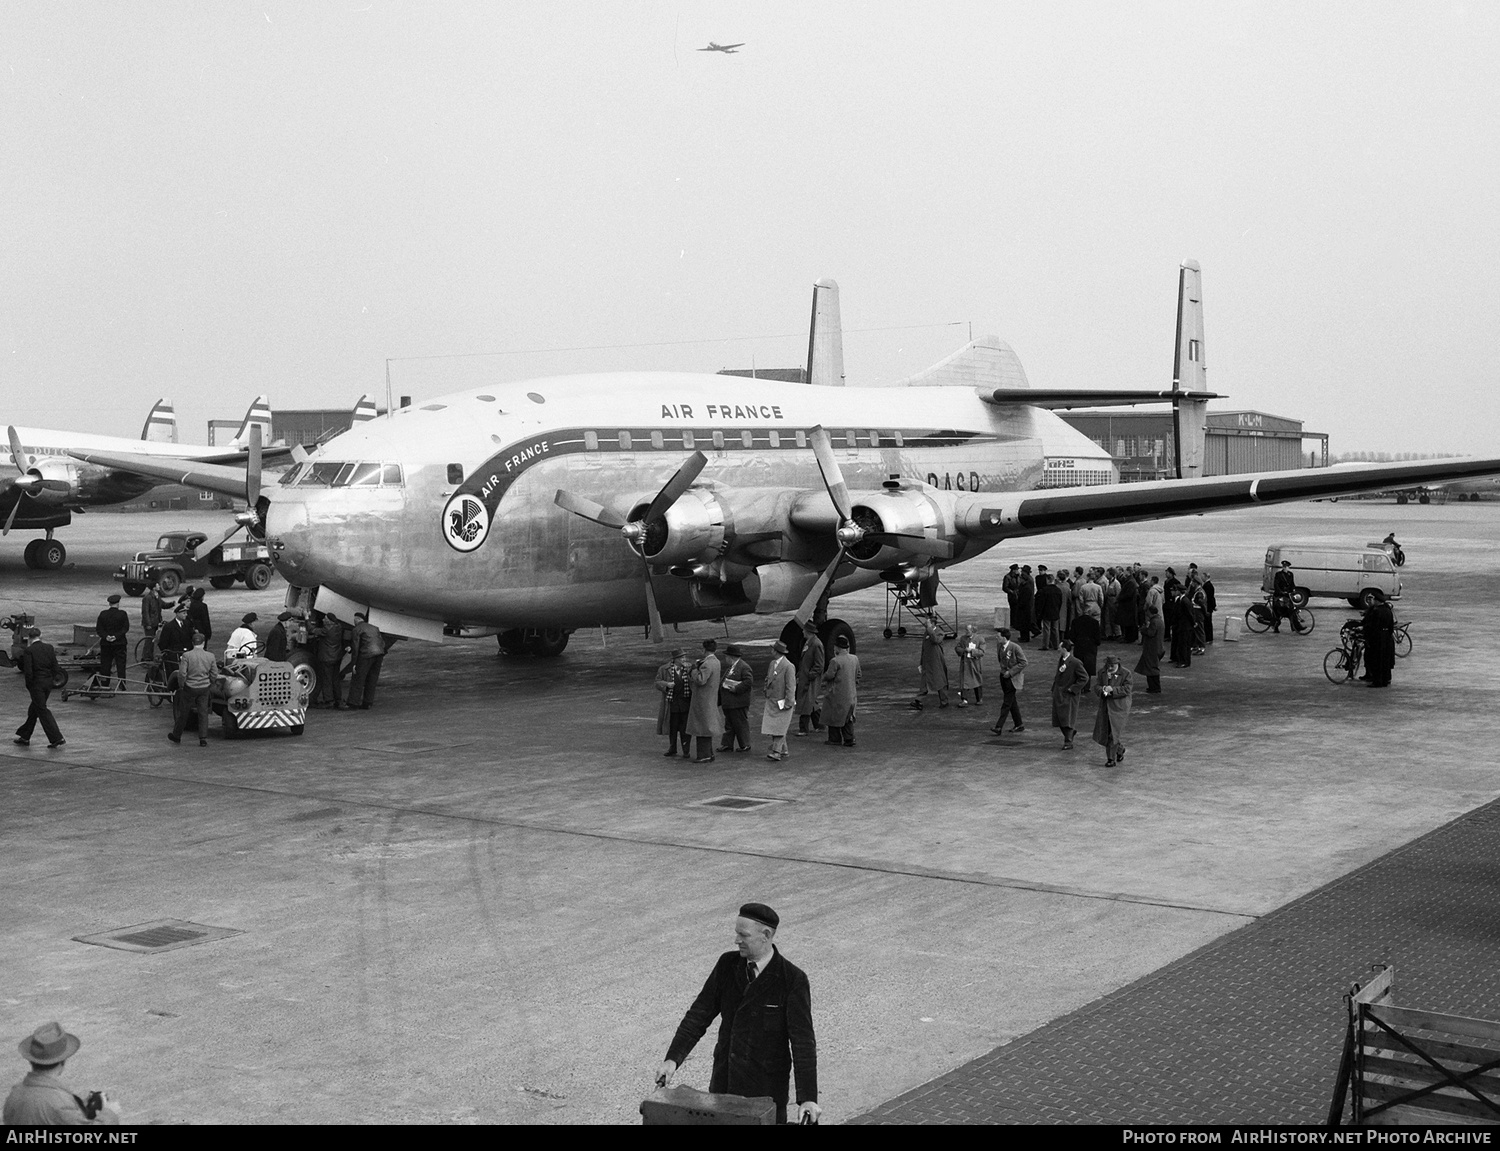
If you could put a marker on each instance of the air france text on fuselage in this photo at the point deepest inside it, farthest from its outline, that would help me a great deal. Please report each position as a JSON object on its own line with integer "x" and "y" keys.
{"x": 723, "y": 411}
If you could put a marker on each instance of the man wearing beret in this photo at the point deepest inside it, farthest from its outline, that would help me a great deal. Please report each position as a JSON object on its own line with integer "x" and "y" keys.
{"x": 112, "y": 626}
{"x": 765, "y": 1029}
{"x": 41, "y": 1100}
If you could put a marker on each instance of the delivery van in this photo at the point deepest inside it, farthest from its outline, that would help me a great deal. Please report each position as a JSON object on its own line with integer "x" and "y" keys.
{"x": 1363, "y": 576}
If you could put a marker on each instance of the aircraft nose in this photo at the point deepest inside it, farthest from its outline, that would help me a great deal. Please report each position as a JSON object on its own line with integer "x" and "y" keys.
{"x": 287, "y": 537}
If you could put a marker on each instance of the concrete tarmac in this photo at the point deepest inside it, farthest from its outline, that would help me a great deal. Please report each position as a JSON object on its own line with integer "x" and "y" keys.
{"x": 490, "y": 898}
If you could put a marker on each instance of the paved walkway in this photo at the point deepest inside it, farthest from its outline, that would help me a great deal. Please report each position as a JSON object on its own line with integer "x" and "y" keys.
{"x": 1249, "y": 1028}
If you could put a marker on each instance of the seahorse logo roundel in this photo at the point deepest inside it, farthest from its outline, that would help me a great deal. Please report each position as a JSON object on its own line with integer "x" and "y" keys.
{"x": 466, "y": 522}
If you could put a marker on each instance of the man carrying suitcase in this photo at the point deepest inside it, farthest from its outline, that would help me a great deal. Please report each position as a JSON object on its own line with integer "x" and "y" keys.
{"x": 765, "y": 1030}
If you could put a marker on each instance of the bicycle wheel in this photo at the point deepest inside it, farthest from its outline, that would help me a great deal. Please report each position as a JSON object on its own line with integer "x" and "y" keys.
{"x": 1403, "y": 643}
{"x": 1305, "y": 621}
{"x": 1336, "y": 667}
{"x": 1256, "y": 622}
{"x": 156, "y": 688}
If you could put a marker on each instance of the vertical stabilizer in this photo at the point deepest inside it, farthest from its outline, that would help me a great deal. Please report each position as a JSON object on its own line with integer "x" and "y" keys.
{"x": 825, "y": 338}
{"x": 258, "y": 415}
{"x": 364, "y": 409}
{"x": 161, "y": 424}
{"x": 1189, "y": 374}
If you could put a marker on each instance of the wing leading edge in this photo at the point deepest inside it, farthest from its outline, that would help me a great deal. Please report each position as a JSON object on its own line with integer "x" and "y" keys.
{"x": 997, "y": 516}
{"x": 195, "y": 473}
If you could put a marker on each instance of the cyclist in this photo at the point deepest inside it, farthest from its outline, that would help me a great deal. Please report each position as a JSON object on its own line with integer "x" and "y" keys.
{"x": 1283, "y": 585}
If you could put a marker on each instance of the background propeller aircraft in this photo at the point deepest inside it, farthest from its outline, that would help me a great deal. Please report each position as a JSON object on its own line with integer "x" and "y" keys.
{"x": 531, "y": 509}
{"x": 727, "y": 49}
{"x": 50, "y": 484}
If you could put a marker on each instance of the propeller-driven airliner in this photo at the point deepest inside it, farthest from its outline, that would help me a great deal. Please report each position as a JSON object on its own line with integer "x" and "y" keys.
{"x": 727, "y": 49}
{"x": 529, "y": 510}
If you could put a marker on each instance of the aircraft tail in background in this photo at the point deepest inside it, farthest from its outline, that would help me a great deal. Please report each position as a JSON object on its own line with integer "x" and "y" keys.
{"x": 259, "y": 414}
{"x": 1189, "y": 374}
{"x": 161, "y": 424}
{"x": 825, "y": 338}
{"x": 364, "y": 409}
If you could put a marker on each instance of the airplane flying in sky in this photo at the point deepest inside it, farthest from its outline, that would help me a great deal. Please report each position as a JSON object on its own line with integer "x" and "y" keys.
{"x": 532, "y": 509}
{"x": 44, "y": 485}
{"x": 727, "y": 49}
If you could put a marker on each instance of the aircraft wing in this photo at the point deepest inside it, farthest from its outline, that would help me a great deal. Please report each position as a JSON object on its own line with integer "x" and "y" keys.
{"x": 1055, "y": 398}
{"x": 239, "y": 455}
{"x": 1001, "y": 515}
{"x": 197, "y": 473}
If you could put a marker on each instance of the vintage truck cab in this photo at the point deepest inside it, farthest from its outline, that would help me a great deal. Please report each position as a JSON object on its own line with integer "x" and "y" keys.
{"x": 172, "y": 564}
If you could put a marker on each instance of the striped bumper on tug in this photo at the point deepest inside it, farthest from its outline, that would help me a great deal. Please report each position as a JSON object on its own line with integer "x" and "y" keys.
{"x": 276, "y": 717}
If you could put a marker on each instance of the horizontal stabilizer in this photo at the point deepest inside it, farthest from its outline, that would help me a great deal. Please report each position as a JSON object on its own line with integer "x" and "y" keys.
{"x": 1003, "y": 515}
{"x": 986, "y": 363}
{"x": 195, "y": 473}
{"x": 1061, "y": 398}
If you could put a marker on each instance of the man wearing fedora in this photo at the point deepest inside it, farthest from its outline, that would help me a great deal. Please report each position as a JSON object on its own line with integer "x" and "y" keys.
{"x": 41, "y": 1100}
{"x": 765, "y": 1010}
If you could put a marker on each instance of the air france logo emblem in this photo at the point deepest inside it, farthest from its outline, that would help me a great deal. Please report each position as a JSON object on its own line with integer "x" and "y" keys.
{"x": 465, "y": 522}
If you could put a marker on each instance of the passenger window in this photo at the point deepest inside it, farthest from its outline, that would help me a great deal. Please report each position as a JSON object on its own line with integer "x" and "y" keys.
{"x": 801, "y": 438}
{"x": 624, "y": 441}
{"x": 455, "y": 473}
{"x": 874, "y": 439}
{"x": 718, "y": 439}
{"x": 900, "y": 443}
{"x": 687, "y": 438}
{"x": 747, "y": 439}
{"x": 657, "y": 440}
{"x": 775, "y": 440}
{"x": 850, "y": 439}
{"x": 390, "y": 475}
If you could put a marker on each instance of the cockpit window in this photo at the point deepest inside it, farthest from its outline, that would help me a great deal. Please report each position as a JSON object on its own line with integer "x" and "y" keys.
{"x": 391, "y": 474}
{"x": 320, "y": 475}
{"x": 364, "y": 475}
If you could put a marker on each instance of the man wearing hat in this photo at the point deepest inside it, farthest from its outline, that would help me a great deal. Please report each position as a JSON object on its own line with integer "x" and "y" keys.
{"x": 704, "y": 722}
{"x": 276, "y": 641}
{"x": 675, "y": 685}
{"x": 781, "y": 701}
{"x": 112, "y": 627}
{"x": 174, "y": 639}
{"x": 810, "y": 681}
{"x": 1283, "y": 588}
{"x": 734, "y": 697}
{"x": 198, "y": 614}
{"x": 764, "y": 1007}
{"x": 151, "y": 613}
{"x": 38, "y": 668}
{"x": 243, "y": 640}
{"x": 41, "y": 1100}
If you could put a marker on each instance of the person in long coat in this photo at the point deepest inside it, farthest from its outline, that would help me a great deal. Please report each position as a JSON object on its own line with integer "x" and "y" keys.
{"x": 1180, "y": 617}
{"x": 810, "y": 681}
{"x": 1149, "y": 664}
{"x": 1113, "y": 690}
{"x": 1379, "y": 627}
{"x": 970, "y": 666}
{"x": 1128, "y": 608}
{"x": 1086, "y": 633}
{"x": 933, "y": 666}
{"x": 841, "y": 692}
{"x": 705, "y": 722}
{"x": 1023, "y": 620}
{"x": 150, "y": 620}
{"x": 1210, "y": 605}
{"x": 676, "y": 697}
{"x": 1070, "y": 682}
{"x": 780, "y": 691}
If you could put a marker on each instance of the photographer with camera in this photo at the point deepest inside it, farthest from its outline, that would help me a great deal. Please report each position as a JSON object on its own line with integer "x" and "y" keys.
{"x": 41, "y": 1100}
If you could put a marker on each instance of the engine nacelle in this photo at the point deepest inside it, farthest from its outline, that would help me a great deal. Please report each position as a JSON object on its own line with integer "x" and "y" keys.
{"x": 779, "y": 587}
{"x": 692, "y": 530}
{"x": 51, "y": 481}
{"x": 899, "y": 511}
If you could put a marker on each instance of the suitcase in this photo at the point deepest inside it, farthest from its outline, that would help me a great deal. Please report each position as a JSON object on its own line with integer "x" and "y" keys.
{"x": 1232, "y": 625}
{"x": 687, "y": 1106}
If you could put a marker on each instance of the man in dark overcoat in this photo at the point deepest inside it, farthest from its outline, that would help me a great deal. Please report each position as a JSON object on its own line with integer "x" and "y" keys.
{"x": 764, "y": 1005}
{"x": 809, "y": 681}
{"x": 735, "y": 688}
{"x": 150, "y": 619}
{"x": 1379, "y": 627}
{"x": 113, "y": 627}
{"x": 1070, "y": 681}
{"x": 39, "y": 667}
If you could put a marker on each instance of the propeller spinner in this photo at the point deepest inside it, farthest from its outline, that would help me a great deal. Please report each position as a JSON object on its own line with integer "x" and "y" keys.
{"x": 29, "y": 484}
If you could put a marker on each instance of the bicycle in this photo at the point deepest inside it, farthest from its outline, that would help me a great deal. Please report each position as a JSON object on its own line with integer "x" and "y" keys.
{"x": 1262, "y": 617}
{"x": 1403, "y": 640}
{"x": 1342, "y": 663}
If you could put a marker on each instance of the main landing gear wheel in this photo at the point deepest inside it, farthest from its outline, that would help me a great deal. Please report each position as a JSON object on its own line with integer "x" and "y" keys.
{"x": 831, "y": 629}
{"x": 1255, "y": 621}
{"x": 512, "y": 642}
{"x": 45, "y": 555}
{"x": 547, "y": 643}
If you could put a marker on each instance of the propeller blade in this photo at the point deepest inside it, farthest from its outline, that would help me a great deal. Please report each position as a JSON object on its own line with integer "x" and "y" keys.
{"x": 10, "y": 519}
{"x": 17, "y": 456}
{"x": 589, "y": 510}
{"x": 833, "y": 477}
{"x": 252, "y": 467}
{"x": 652, "y": 613}
{"x": 681, "y": 480}
{"x": 208, "y": 545}
{"x": 921, "y": 545}
{"x": 810, "y": 603}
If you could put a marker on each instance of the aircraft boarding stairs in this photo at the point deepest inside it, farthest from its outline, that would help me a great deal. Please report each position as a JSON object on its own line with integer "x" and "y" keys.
{"x": 920, "y": 600}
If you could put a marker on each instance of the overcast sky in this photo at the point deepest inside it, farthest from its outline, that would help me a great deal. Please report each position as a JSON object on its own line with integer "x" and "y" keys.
{"x": 210, "y": 200}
